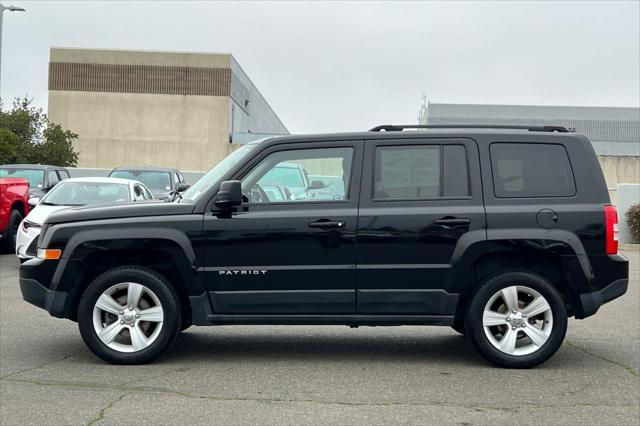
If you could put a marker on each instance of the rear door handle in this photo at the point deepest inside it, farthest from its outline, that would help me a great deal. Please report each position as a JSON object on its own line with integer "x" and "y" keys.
{"x": 452, "y": 221}
{"x": 326, "y": 224}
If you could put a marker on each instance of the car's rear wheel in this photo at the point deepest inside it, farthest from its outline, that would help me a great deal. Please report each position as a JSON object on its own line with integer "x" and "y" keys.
{"x": 516, "y": 319}
{"x": 129, "y": 315}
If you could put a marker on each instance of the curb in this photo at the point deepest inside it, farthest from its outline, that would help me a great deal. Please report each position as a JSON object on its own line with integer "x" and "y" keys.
{"x": 629, "y": 247}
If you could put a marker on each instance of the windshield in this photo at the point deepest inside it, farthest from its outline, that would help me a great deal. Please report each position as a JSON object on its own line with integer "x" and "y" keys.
{"x": 217, "y": 172}
{"x": 34, "y": 176}
{"x": 156, "y": 181}
{"x": 81, "y": 193}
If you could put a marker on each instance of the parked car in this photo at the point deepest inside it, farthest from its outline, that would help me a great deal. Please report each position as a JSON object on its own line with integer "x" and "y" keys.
{"x": 14, "y": 197}
{"x": 294, "y": 180}
{"x": 501, "y": 233}
{"x": 41, "y": 177}
{"x": 164, "y": 183}
{"x": 74, "y": 192}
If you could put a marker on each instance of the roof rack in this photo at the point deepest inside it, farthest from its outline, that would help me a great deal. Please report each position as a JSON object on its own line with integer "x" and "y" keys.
{"x": 401, "y": 127}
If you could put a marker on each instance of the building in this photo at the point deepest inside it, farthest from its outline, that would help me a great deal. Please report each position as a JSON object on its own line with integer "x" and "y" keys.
{"x": 614, "y": 132}
{"x": 170, "y": 109}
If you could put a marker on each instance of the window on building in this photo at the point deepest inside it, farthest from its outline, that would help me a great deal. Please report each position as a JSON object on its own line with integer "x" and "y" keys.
{"x": 531, "y": 170}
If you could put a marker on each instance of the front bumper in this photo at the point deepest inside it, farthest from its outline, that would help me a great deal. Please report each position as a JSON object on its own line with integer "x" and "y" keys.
{"x": 40, "y": 296}
{"x": 35, "y": 275}
{"x": 26, "y": 242}
{"x": 591, "y": 302}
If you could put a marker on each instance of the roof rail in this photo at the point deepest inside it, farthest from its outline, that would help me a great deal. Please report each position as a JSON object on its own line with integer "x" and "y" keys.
{"x": 401, "y": 127}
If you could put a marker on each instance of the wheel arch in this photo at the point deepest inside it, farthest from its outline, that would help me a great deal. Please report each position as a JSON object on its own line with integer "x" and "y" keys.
{"x": 557, "y": 260}
{"x": 88, "y": 258}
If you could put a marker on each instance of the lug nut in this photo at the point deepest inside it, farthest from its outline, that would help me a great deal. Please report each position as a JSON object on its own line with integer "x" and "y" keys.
{"x": 121, "y": 322}
{"x": 137, "y": 315}
{"x": 524, "y": 324}
{"x": 514, "y": 311}
{"x": 513, "y": 328}
{"x": 121, "y": 312}
{"x": 508, "y": 319}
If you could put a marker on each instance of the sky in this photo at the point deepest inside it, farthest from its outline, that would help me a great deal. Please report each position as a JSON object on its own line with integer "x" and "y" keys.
{"x": 348, "y": 66}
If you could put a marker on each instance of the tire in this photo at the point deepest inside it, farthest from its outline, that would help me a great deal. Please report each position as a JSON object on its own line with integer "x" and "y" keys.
{"x": 540, "y": 321}
{"x": 9, "y": 241}
{"x": 131, "y": 339}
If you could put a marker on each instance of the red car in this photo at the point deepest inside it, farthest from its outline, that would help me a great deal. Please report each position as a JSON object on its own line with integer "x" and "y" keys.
{"x": 14, "y": 206}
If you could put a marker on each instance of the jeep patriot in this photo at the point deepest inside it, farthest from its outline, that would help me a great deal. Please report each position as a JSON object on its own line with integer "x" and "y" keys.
{"x": 501, "y": 233}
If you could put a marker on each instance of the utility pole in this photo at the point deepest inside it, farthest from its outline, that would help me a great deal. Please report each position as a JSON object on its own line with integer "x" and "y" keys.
{"x": 2, "y": 9}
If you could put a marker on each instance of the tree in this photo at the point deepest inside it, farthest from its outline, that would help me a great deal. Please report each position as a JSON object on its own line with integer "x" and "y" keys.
{"x": 27, "y": 136}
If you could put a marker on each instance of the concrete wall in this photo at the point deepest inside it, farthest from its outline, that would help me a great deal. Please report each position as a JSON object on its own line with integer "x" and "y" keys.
{"x": 119, "y": 129}
{"x": 628, "y": 195}
{"x": 171, "y": 109}
{"x": 619, "y": 169}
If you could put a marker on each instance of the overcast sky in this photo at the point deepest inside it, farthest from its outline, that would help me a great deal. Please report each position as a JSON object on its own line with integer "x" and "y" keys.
{"x": 349, "y": 66}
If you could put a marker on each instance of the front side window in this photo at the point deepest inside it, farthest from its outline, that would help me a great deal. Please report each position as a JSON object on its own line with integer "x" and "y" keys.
{"x": 420, "y": 172}
{"x": 318, "y": 174}
{"x": 81, "y": 193}
{"x": 34, "y": 176}
{"x": 531, "y": 170}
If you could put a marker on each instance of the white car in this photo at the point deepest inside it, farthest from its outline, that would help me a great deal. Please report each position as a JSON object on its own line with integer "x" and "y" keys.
{"x": 70, "y": 193}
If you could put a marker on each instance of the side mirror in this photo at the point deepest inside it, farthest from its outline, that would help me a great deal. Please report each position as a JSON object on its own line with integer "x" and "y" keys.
{"x": 33, "y": 201}
{"x": 317, "y": 184}
{"x": 183, "y": 187}
{"x": 229, "y": 195}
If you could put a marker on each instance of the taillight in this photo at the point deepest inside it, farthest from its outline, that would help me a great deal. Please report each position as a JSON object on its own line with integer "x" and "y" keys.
{"x": 611, "y": 228}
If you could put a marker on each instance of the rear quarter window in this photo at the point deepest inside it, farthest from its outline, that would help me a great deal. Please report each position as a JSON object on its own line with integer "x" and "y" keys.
{"x": 531, "y": 170}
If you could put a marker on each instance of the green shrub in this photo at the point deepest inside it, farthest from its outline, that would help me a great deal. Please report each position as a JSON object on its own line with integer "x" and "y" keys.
{"x": 633, "y": 220}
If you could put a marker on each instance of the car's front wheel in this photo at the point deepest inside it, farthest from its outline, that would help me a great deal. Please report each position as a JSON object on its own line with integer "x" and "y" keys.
{"x": 129, "y": 315}
{"x": 516, "y": 319}
{"x": 9, "y": 243}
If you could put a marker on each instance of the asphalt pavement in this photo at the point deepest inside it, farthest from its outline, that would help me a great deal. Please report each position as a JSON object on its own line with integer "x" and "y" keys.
{"x": 316, "y": 374}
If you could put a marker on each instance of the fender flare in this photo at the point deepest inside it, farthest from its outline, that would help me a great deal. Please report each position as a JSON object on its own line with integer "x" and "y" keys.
{"x": 471, "y": 246}
{"x": 88, "y": 242}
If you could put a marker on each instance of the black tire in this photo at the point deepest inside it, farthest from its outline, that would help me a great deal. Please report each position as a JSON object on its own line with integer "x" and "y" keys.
{"x": 9, "y": 240}
{"x": 475, "y": 309}
{"x": 153, "y": 281}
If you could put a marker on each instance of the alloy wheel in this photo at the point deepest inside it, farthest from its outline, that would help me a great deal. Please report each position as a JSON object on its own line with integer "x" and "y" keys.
{"x": 128, "y": 317}
{"x": 517, "y": 320}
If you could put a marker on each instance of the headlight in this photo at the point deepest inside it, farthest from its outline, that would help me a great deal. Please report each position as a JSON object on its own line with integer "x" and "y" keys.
{"x": 26, "y": 225}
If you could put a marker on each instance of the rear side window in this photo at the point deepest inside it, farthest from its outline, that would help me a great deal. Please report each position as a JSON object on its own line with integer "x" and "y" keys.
{"x": 421, "y": 172}
{"x": 531, "y": 170}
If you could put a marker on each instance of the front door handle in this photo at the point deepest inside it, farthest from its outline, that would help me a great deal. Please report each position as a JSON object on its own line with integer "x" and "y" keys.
{"x": 452, "y": 221}
{"x": 326, "y": 224}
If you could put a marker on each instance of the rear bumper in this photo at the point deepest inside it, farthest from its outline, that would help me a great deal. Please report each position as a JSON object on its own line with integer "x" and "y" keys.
{"x": 591, "y": 302}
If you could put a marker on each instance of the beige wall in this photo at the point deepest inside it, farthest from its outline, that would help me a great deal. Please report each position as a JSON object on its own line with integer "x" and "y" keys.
{"x": 140, "y": 57}
{"x": 117, "y": 129}
{"x": 619, "y": 169}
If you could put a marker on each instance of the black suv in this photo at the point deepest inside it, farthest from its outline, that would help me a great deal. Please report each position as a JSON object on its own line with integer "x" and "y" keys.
{"x": 500, "y": 233}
